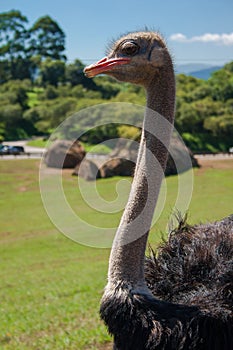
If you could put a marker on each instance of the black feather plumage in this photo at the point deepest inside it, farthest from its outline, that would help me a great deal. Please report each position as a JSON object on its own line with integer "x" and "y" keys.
{"x": 191, "y": 278}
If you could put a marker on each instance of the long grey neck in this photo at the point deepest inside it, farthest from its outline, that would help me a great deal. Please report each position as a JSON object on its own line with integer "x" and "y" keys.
{"x": 128, "y": 251}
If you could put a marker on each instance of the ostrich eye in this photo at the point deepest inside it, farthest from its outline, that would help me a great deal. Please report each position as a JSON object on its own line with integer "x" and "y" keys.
{"x": 129, "y": 48}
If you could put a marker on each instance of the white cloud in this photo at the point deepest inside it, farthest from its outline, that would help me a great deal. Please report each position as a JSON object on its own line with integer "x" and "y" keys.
{"x": 178, "y": 37}
{"x": 223, "y": 39}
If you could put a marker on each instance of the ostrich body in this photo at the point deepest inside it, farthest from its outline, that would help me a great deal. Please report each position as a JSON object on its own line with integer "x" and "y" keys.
{"x": 182, "y": 296}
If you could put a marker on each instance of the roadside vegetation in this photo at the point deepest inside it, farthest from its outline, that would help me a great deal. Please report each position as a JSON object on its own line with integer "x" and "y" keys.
{"x": 36, "y": 99}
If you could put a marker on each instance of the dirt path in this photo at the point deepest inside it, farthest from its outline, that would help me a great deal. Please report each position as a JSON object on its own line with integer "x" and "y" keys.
{"x": 221, "y": 161}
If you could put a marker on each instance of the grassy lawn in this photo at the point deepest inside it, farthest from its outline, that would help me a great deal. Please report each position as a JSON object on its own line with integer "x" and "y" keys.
{"x": 38, "y": 142}
{"x": 50, "y": 286}
{"x": 33, "y": 96}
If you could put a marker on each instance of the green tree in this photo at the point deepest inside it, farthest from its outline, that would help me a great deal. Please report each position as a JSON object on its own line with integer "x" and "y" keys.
{"x": 13, "y": 54}
{"x": 221, "y": 83}
{"x": 12, "y": 34}
{"x": 75, "y": 76}
{"x": 13, "y": 103}
{"x": 47, "y": 39}
{"x": 5, "y": 73}
{"x": 220, "y": 125}
{"x": 108, "y": 86}
{"x": 74, "y": 73}
{"x": 51, "y": 72}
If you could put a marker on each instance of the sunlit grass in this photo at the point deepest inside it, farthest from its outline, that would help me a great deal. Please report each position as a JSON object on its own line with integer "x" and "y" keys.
{"x": 50, "y": 286}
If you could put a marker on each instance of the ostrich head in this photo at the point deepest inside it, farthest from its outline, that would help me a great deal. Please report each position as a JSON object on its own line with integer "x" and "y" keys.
{"x": 136, "y": 58}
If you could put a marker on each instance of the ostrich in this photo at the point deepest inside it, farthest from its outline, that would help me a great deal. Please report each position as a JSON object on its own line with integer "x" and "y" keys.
{"x": 181, "y": 296}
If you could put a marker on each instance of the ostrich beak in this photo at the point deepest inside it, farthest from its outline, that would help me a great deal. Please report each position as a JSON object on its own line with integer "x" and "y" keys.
{"x": 104, "y": 65}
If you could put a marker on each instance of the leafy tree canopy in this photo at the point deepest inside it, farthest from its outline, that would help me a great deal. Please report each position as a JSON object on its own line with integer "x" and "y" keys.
{"x": 12, "y": 34}
{"x": 47, "y": 39}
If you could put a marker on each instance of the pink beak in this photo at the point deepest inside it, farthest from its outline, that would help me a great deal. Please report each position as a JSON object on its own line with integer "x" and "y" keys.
{"x": 104, "y": 65}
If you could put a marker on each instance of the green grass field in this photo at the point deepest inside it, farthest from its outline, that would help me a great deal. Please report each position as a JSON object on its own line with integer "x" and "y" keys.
{"x": 50, "y": 287}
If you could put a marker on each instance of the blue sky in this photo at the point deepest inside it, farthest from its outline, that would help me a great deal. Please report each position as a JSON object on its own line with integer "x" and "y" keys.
{"x": 196, "y": 30}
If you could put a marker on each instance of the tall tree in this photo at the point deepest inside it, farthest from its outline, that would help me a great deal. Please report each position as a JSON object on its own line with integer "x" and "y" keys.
{"x": 12, "y": 34}
{"x": 47, "y": 39}
{"x": 12, "y": 44}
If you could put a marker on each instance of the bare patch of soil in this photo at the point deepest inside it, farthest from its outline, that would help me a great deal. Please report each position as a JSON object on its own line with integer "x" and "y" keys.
{"x": 215, "y": 162}
{"x": 106, "y": 346}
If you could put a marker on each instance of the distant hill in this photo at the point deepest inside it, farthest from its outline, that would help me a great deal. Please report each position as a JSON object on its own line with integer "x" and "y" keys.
{"x": 204, "y": 73}
{"x": 197, "y": 70}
